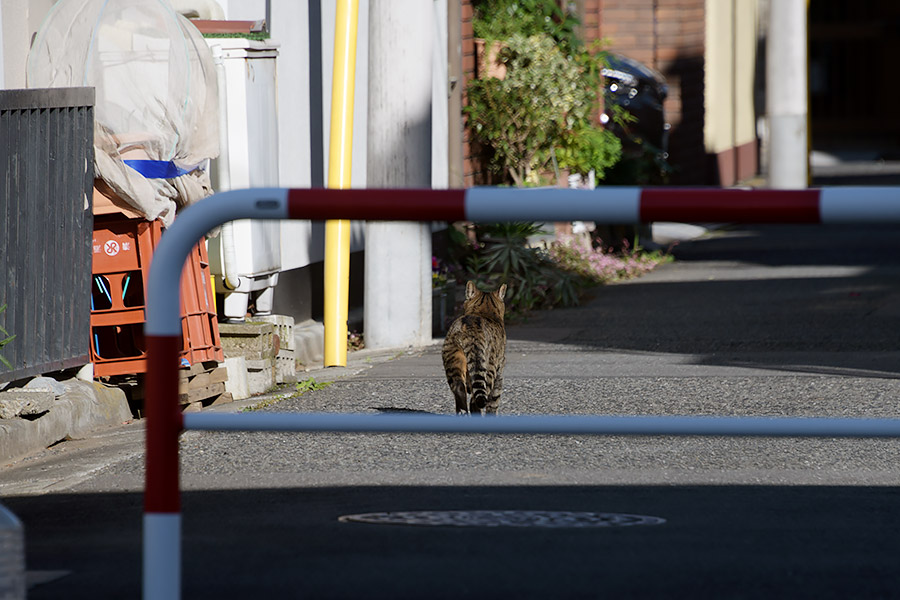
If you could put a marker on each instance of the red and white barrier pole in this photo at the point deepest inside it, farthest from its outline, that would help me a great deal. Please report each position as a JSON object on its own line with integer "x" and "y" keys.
{"x": 162, "y": 496}
{"x": 613, "y": 205}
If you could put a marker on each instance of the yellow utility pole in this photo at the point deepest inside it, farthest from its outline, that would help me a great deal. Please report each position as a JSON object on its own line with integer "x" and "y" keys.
{"x": 337, "y": 232}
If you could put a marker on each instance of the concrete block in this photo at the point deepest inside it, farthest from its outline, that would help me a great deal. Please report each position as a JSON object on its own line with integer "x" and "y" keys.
{"x": 252, "y": 340}
{"x": 237, "y": 383}
{"x": 97, "y": 405}
{"x": 285, "y": 367}
{"x": 284, "y": 328}
{"x": 46, "y": 384}
{"x": 261, "y": 375}
{"x": 32, "y": 400}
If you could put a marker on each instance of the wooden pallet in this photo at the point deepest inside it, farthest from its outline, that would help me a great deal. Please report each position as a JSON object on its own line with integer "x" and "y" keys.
{"x": 201, "y": 385}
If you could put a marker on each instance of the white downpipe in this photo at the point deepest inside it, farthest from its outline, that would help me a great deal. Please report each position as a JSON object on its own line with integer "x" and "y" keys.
{"x": 230, "y": 278}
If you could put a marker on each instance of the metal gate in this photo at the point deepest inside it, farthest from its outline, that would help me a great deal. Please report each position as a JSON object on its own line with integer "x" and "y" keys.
{"x": 46, "y": 223}
{"x": 624, "y": 205}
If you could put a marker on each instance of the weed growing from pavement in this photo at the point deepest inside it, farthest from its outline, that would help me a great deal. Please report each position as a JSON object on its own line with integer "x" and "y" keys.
{"x": 309, "y": 385}
{"x": 300, "y": 388}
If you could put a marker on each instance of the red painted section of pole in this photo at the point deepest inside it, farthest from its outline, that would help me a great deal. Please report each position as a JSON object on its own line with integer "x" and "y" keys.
{"x": 377, "y": 205}
{"x": 688, "y": 205}
{"x": 164, "y": 424}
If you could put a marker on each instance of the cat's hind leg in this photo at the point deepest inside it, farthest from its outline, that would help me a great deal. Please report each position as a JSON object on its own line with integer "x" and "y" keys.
{"x": 458, "y": 378}
{"x": 492, "y": 405}
{"x": 458, "y": 387}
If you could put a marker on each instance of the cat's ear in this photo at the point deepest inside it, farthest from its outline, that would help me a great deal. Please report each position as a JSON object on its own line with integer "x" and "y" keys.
{"x": 502, "y": 291}
{"x": 470, "y": 289}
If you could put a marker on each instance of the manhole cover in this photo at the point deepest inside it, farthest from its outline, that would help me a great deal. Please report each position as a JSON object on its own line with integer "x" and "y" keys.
{"x": 502, "y": 518}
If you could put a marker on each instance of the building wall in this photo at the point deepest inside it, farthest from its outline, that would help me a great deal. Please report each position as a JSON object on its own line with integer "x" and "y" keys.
{"x": 730, "y": 128}
{"x": 20, "y": 21}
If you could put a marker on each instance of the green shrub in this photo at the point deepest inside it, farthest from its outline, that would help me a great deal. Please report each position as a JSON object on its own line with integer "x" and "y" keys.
{"x": 500, "y": 19}
{"x": 587, "y": 149}
{"x": 545, "y": 106}
{"x": 524, "y": 116}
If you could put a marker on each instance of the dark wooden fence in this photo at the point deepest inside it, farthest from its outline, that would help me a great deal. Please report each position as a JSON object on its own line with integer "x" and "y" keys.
{"x": 46, "y": 225}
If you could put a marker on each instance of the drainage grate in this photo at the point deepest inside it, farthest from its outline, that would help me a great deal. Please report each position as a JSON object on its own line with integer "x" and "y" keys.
{"x": 502, "y": 518}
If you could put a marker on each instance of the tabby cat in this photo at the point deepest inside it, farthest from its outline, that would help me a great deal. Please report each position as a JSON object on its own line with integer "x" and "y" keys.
{"x": 475, "y": 351}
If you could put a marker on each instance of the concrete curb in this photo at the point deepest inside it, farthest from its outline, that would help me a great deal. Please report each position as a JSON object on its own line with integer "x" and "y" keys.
{"x": 81, "y": 409}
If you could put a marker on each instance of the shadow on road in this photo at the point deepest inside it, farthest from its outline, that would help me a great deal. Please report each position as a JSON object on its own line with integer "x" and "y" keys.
{"x": 800, "y": 298}
{"x": 741, "y": 541}
{"x": 871, "y": 246}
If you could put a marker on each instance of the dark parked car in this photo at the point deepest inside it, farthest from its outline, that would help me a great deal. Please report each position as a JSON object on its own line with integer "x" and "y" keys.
{"x": 640, "y": 91}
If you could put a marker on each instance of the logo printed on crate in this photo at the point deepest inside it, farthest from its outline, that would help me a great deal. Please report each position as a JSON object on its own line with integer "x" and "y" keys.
{"x": 112, "y": 247}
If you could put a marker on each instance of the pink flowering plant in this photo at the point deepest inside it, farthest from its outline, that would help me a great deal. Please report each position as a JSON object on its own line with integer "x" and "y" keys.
{"x": 597, "y": 265}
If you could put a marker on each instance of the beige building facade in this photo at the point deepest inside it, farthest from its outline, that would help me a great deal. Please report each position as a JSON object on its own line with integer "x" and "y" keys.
{"x": 730, "y": 82}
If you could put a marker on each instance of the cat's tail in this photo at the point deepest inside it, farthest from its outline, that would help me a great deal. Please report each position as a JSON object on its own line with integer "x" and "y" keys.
{"x": 480, "y": 383}
{"x": 479, "y": 399}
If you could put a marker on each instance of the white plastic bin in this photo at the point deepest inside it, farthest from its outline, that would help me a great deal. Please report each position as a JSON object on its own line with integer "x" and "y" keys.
{"x": 249, "y": 158}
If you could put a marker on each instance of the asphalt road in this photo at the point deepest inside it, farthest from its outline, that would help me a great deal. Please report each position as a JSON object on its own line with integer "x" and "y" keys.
{"x": 782, "y": 320}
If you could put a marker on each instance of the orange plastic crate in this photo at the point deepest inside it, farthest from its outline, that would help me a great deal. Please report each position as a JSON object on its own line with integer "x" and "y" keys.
{"x": 122, "y": 251}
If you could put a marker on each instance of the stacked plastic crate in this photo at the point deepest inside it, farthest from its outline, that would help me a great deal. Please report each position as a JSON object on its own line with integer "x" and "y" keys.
{"x": 123, "y": 247}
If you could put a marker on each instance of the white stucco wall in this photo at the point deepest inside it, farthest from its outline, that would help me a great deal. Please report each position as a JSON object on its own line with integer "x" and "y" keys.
{"x": 19, "y": 21}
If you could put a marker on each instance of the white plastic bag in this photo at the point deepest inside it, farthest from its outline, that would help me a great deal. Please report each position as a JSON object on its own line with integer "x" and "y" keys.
{"x": 156, "y": 114}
